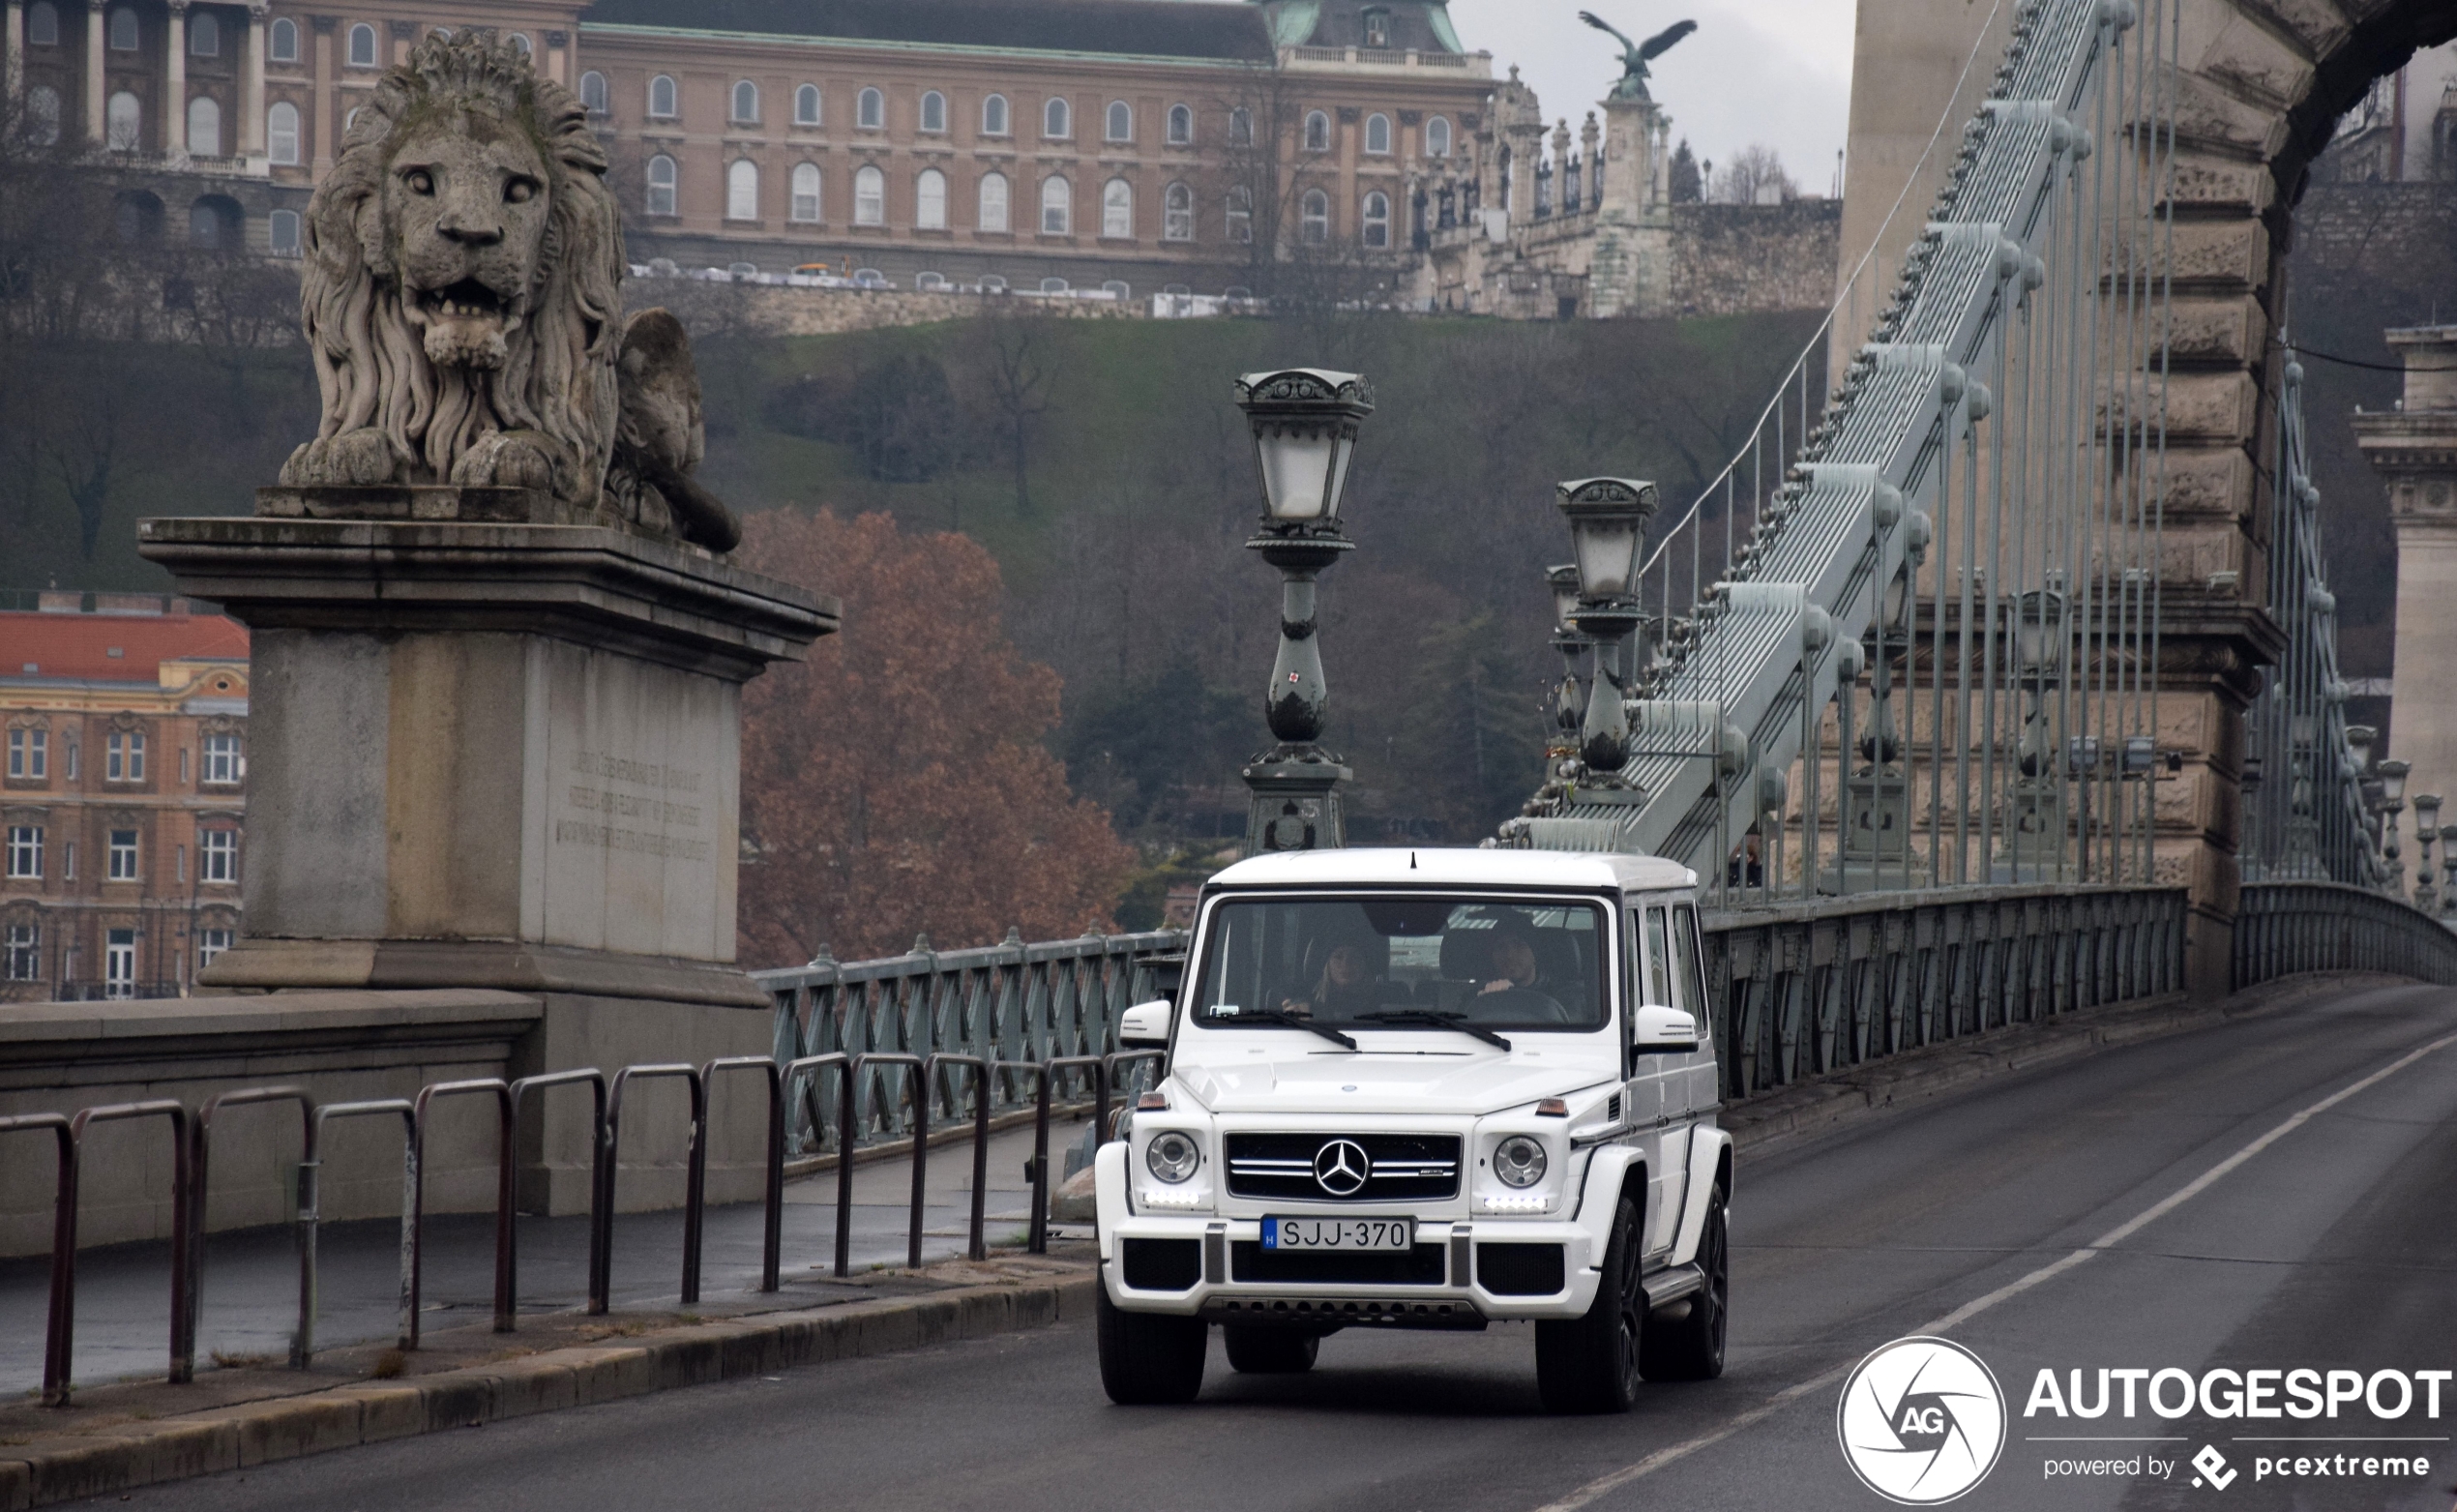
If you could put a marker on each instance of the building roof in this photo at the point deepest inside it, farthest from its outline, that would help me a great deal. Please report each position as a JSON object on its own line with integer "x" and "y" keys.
{"x": 1205, "y": 29}
{"x": 129, "y": 648}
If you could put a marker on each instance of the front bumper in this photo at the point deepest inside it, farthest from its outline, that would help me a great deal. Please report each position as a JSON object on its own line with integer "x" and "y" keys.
{"x": 1457, "y": 1299}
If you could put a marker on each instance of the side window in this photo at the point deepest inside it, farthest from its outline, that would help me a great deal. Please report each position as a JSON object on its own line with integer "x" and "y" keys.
{"x": 1689, "y": 969}
{"x": 1659, "y": 961}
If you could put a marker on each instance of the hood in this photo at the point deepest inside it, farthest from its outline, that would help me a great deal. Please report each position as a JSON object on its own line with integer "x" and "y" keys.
{"x": 1432, "y": 1080}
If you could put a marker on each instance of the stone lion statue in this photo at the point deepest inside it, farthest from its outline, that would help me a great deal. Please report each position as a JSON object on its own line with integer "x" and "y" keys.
{"x": 462, "y": 302}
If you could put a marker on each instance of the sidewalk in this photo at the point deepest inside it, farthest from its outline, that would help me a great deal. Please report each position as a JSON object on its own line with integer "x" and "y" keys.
{"x": 250, "y": 1278}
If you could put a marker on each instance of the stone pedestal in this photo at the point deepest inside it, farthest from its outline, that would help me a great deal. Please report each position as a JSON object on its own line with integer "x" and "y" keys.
{"x": 491, "y": 752}
{"x": 1629, "y": 272}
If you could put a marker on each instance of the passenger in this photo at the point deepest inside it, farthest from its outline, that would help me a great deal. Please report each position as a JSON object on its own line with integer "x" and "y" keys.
{"x": 1347, "y": 988}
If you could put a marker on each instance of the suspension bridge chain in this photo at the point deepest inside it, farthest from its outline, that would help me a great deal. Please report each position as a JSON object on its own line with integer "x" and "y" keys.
{"x": 1916, "y": 642}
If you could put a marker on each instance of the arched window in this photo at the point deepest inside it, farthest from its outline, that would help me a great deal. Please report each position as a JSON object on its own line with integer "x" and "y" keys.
{"x": 993, "y": 116}
{"x": 1318, "y": 132}
{"x": 521, "y": 45}
{"x": 594, "y": 94}
{"x": 1118, "y": 288}
{"x": 805, "y": 106}
{"x": 1057, "y": 207}
{"x": 42, "y": 115}
{"x": 1121, "y": 122}
{"x": 204, "y": 126}
{"x": 664, "y": 183}
{"x": 282, "y": 233}
{"x": 1241, "y": 128}
{"x": 123, "y": 123}
{"x": 362, "y": 45}
{"x": 1240, "y": 213}
{"x": 1117, "y": 209}
{"x": 746, "y": 103}
{"x": 994, "y": 202}
{"x": 1378, "y": 132}
{"x": 204, "y": 35}
{"x": 43, "y": 24}
{"x": 1378, "y": 27}
{"x": 1378, "y": 220}
{"x": 124, "y": 33}
{"x": 665, "y": 101}
{"x": 1181, "y": 126}
{"x": 806, "y": 192}
{"x": 1055, "y": 286}
{"x": 870, "y": 114}
{"x": 214, "y": 225}
{"x": 1057, "y": 119}
{"x": 285, "y": 41}
{"x": 934, "y": 112}
{"x": 870, "y": 197}
{"x": 281, "y": 133}
{"x": 1314, "y": 222}
{"x": 929, "y": 201}
{"x": 137, "y": 218}
{"x": 1437, "y": 137}
{"x": 742, "y": 189}
{"x": 1177, "y": 214}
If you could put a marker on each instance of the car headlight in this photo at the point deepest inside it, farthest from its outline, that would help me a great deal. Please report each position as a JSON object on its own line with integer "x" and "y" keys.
{"x": 1518, "y": 1161}
{"x": 1173, "y": 1156}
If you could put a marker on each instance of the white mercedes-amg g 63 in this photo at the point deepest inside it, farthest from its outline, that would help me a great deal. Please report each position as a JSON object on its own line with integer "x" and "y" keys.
{"x": 1428, "y": 1089}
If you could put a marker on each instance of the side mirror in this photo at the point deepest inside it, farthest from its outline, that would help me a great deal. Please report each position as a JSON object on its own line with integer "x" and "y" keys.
{"x": 1665, "y": 1030}
{"x": 1144, "y": 1027}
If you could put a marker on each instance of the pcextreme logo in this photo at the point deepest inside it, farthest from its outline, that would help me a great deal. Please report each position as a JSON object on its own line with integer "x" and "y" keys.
{"x": 1922, "y": 1421}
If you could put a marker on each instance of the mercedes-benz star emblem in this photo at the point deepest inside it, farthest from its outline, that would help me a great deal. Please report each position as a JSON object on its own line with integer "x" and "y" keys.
{"x": 1340, "y": 1166}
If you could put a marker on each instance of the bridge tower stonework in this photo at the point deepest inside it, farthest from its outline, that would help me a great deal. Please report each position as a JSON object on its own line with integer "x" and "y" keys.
{"x": 2261, "y": 84}
{"x": 2416, "y": 450}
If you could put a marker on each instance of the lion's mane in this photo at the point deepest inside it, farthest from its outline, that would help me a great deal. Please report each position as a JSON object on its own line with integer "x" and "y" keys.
{"x": 558, "y": 378}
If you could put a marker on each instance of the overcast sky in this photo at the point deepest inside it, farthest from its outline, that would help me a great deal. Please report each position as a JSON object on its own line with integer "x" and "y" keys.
{"x": 1777, "y": 72}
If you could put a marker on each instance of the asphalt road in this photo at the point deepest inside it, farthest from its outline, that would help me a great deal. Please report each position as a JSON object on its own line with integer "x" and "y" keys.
{"x": 2275, "y": 1193}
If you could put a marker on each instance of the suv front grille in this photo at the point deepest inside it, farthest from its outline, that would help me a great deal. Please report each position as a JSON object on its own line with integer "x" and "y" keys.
{"x": 1399, "y": 1167}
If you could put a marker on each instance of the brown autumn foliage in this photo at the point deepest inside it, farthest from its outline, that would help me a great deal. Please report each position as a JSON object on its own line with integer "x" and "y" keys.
{"x": 897, "y": 782}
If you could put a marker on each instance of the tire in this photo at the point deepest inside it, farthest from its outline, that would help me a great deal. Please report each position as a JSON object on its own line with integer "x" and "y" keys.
{"x": 1690, "y": 1347}
{"x": 1270, "y": 1352}
{"x": 1148, "y": 1359}
{"x": 1590, "y": 1364}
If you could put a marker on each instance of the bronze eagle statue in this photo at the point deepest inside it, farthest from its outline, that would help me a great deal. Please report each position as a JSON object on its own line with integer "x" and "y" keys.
{"x": 1635, "y": 56}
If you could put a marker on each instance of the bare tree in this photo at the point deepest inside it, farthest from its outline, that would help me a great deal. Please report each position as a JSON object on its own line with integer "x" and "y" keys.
{"x": 1016, "y": 354}
{"x": 1755, "y": 171}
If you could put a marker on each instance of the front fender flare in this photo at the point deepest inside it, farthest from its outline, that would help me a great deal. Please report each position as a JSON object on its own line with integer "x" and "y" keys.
{"x": 1608, "y": 1170}
{"x": 1709, "y": 1151}
{"x": 1108, "y": 1192}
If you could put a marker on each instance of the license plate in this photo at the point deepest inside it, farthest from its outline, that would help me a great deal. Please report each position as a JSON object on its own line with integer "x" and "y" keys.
{"x": 1339, "y": 1234}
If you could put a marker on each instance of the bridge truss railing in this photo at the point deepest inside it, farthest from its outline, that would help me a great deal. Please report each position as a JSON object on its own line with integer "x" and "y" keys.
{"x": 1799, "y": 990}
{"x": 2290, "y": 928}
{"x": 1012, "y": 1003}
{"x": 2305, "y": 817}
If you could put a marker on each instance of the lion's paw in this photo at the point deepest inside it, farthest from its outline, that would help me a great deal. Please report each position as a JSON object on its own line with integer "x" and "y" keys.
{"x": 361, "y": 458}
{"x": 507, "y": 459}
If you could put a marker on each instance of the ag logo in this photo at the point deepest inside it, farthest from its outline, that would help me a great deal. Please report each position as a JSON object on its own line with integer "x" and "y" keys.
{"x": 1922, "y": 1421}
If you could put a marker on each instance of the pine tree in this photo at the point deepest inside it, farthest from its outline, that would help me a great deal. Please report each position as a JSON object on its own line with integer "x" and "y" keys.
{"x": 1688, "y": 186}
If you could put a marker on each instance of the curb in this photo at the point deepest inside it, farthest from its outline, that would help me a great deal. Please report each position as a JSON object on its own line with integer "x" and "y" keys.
{"x": 263, "y": 1433}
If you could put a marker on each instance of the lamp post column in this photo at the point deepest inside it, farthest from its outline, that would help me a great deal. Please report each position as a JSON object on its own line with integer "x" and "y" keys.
{"x": 1608, "y": 528}
{"x": 2426, "y": 831}
{"x": 1304, "y": 423}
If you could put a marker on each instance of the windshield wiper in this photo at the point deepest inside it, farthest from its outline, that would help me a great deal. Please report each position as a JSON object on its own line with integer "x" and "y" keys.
{"x": 1435, "y": 1018}
{"x": 1292, "y": 1022}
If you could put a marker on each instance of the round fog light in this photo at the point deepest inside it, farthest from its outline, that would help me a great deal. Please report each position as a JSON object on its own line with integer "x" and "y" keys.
{"x": 1518, "y": 1161}
{"x": 1173, "y": 1156}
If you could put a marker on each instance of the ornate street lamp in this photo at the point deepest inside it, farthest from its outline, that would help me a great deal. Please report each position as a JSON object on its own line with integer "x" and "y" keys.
{"x": 2392, "y": 804}
{"x": 2426, "y": 830}
{"x": 1569, "y": 703}
{"x": 1608, "y": 524}
{"x": 1304, "y": 421}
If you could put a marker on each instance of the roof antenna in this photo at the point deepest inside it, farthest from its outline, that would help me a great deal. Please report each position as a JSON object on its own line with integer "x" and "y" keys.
{"x": 1411, "y": 861}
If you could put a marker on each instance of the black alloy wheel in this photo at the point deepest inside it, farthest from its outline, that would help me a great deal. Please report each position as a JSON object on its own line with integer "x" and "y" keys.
{"x": 1593, "y": 1363}
{"x": 1688, "y": 1343}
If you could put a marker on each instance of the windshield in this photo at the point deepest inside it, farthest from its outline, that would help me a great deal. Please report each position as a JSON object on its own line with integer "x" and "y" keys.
{"x": 1405, "y": 963}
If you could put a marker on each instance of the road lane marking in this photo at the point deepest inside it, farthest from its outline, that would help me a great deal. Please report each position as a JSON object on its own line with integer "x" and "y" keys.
{"x": 1671, "y": 1453}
